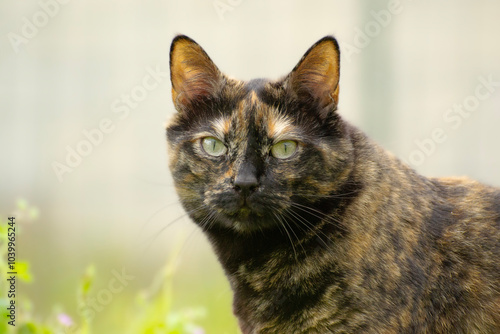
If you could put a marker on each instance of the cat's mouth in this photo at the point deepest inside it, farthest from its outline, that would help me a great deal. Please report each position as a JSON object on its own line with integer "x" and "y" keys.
{"x": 244, "y": 212}
{"x": 246, "y": 218}
{"x": 255, "y": 212}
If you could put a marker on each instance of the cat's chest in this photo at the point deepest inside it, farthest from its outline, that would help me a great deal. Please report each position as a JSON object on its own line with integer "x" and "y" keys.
{"x": 286, "y": 269}
{"x": 284, "y": 294}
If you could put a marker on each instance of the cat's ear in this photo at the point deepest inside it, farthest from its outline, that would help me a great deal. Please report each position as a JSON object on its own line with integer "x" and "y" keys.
{"x": 193, "y": 74}
{"x": 315, "y": 79}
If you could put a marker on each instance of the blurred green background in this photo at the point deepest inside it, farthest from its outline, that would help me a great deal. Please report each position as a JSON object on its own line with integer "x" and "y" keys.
{"x": 91, "y": 77}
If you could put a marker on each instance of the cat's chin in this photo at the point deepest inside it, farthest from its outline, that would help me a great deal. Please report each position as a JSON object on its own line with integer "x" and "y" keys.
{"x": 246, "y": 222}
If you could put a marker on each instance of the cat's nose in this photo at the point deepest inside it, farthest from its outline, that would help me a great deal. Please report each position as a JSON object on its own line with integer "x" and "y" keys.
{"x": 246, "y": 185}
{"x": 246, "y": 180}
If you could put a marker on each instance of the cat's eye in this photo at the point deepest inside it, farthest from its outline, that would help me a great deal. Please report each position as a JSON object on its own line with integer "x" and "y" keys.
{"x": 213, "y": 146}
{"x": 284, "y": 149}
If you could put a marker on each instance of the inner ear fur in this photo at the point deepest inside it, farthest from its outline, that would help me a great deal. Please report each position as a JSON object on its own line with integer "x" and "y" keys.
{"x": 193, "y": 74}
{"x": 315, "y": 79}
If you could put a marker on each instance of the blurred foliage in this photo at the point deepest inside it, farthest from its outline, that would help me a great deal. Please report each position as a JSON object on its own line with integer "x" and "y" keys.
{"x": 152, "y": 309}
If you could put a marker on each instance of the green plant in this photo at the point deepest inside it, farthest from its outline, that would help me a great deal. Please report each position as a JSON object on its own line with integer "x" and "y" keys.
{"x": 153, "y": 311}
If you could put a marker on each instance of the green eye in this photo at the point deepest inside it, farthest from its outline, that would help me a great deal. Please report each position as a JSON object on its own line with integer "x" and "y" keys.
{"x": 284, "y": 149}
{"x": 213, "y": 146}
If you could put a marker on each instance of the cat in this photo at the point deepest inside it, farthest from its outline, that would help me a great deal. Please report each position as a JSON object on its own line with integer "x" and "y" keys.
{"x": 318, "y": 229}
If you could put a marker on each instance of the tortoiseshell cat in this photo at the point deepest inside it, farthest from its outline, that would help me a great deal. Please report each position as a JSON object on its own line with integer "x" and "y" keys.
{"x": 318, "y": 229}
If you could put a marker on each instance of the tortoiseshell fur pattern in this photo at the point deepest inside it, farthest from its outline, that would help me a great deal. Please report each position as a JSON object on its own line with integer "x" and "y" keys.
{"x": 342, "y": 237}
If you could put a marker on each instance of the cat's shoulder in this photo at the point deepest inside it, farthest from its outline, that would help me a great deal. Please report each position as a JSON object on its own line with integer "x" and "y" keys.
{"x": 474, "y": 208}
{"x": 468, "y": 191}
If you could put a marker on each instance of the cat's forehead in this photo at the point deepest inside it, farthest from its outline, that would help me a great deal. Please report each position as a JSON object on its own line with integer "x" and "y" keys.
{"x": 253, "y": 111}
{"x": 256, "y": 85}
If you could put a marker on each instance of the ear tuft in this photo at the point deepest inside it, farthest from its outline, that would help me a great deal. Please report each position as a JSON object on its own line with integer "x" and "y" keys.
{"x": 193, "y": 74}
{"x": 315, "y": 79}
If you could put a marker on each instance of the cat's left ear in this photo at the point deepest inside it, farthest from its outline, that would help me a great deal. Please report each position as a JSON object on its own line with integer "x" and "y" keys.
{"x": 193, "y": 74}
{"x": 315, "y": 79}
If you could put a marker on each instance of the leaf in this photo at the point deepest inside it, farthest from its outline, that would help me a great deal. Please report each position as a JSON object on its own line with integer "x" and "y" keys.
{"x": 28, "y": 328}
{"x": 87, "y": 281}
{"x": 23, "y": 271}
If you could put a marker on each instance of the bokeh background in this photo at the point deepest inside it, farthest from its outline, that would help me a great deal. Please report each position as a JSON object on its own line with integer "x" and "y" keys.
{"x": 68, "y": 68}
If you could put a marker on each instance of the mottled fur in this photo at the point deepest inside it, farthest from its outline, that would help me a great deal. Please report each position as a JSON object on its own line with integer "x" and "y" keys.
{"x": 342, "y": 237}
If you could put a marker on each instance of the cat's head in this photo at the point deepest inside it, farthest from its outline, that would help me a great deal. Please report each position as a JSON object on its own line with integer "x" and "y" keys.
{"x": 256, "y": 155}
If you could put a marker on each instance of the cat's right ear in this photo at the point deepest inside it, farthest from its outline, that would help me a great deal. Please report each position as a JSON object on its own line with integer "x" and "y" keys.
{"x": 193, "y": 74}
{"x": 315, "y": 79}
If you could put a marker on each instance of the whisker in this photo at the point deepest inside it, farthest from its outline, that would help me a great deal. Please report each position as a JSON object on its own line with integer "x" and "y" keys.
{"x": 315, "y": 229}
{"x": 320, "y": 215}
{"x": 300, "y": 220}
{"x": 155, "y": 214}
{"x": 332, "y": 196}
{"x": 200, "y": 227}
{"x": 282, "y": 223}
{"x": 150, "y": 240}
{"x": 206, "y": 221}
{"x": 212, "y": 219}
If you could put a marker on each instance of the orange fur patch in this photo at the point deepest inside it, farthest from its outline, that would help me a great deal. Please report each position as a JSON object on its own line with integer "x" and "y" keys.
{"x": 279, "y": 127}
{"x": 221, "y": 126}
